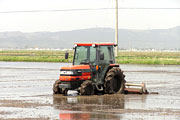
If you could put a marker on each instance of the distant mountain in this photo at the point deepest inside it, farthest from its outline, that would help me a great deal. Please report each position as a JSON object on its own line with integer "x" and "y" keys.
{"x": 137, "y": 39}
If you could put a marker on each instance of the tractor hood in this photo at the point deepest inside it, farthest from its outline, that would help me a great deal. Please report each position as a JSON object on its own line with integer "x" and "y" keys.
{"x": 76, "y": 67}
{"x": 75, "y": 73}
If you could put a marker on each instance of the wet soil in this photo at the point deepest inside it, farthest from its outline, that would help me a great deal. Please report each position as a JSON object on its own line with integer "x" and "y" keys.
{"x": 26, "y": 94}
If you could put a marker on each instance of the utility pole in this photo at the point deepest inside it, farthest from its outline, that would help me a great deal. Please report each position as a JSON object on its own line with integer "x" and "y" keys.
{"x": 116, "y": 31}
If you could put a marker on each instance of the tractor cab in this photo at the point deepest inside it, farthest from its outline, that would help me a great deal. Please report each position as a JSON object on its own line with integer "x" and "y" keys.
{"x": 98, "y": 56}
{"x": 93, "y": 54}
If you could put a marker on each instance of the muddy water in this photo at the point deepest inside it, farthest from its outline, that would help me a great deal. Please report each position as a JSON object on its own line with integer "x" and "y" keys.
{"x": 26, "y": 93}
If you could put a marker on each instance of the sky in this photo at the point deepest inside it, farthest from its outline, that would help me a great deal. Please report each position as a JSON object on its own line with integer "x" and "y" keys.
{"x": 82, "y": 19}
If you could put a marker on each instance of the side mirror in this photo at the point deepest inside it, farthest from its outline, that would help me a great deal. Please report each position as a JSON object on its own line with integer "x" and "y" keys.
{"x": 66, "y": 55}
{"x": 101, "y": 56}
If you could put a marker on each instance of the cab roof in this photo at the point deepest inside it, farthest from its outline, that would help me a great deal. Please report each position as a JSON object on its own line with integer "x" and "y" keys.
{"x": 96, "y": 44}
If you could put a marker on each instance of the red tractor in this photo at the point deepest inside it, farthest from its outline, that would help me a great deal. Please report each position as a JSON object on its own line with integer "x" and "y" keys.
{"x": 93, "y": 71}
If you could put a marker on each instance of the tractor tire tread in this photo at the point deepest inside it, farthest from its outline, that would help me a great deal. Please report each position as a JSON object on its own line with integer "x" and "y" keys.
{"x": 84, "y": 88}
{"x": 111, "y": 74}
{"x": 56, "y": 89}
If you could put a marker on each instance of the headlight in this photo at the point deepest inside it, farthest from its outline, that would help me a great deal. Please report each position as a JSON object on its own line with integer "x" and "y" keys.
{"x": 66, "y": 73}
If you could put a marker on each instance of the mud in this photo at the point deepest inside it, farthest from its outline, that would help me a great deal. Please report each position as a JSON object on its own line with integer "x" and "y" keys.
{"x": 26, "y": 94}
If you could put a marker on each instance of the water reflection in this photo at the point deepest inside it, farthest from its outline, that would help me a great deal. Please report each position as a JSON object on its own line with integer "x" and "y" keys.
{"x": 95, "y": 107}
{"x": 74, "y": 116}
{"x": 87, "y": 116}
{"x": 89, "y": 103}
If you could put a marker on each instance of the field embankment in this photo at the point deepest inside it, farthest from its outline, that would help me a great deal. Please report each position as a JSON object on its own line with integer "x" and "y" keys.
{"x": 124, "y": 57}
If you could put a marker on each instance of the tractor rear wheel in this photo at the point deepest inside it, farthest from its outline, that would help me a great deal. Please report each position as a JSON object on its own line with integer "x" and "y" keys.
{"x": 114, "y": 81}
{"x": 87, "y": 88}
{"x": 56, "y": 89}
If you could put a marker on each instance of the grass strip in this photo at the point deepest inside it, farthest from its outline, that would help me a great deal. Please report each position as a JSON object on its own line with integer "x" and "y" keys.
{"x": 124, "y": 57}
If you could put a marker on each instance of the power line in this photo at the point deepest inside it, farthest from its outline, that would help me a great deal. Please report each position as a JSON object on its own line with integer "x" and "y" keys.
{"x": 61, "y": 10}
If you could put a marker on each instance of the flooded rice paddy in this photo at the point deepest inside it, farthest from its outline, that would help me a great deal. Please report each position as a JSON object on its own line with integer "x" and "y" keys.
{"x": 26, "y": 93}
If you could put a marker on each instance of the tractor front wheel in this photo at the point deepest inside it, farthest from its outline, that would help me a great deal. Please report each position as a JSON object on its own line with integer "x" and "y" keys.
{"x": 114, "y": 81}
{"x": 87, "y": 88}
{"x": 56, "y": 89}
